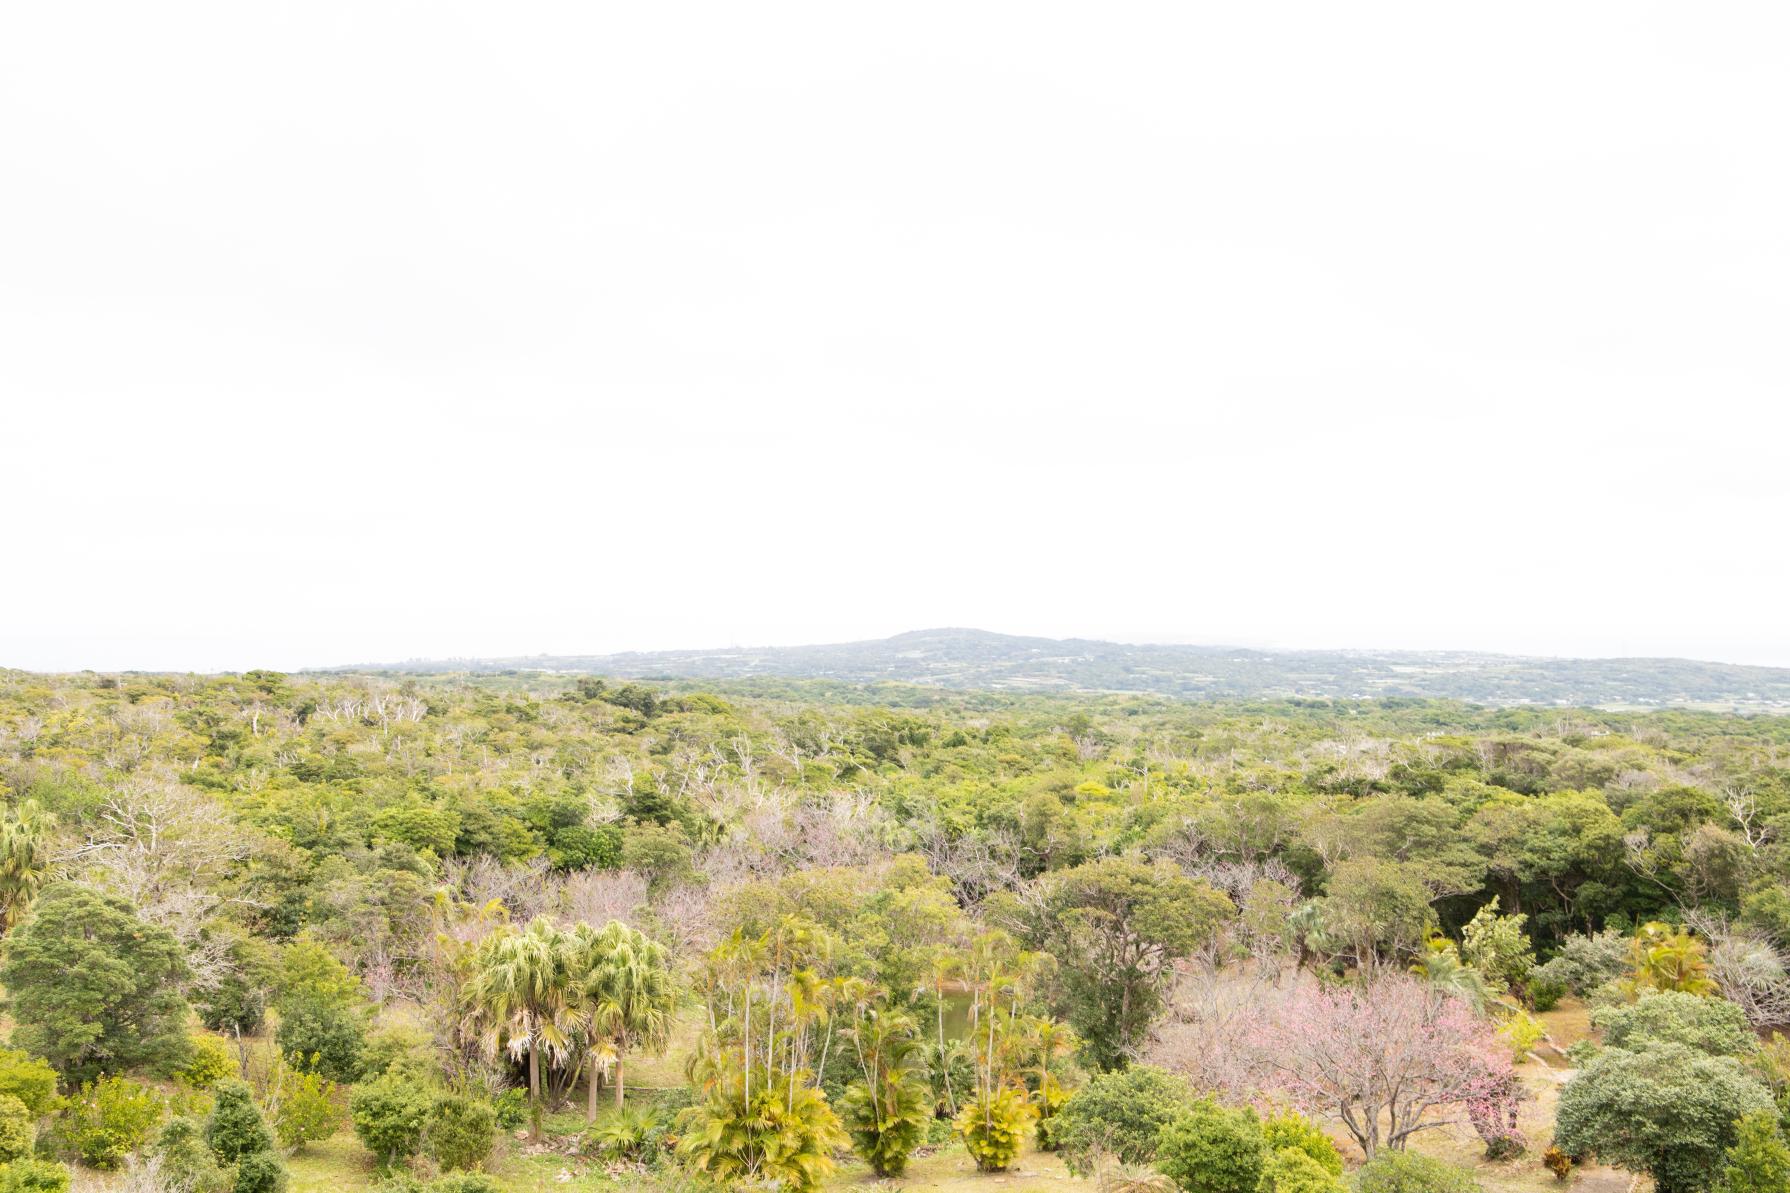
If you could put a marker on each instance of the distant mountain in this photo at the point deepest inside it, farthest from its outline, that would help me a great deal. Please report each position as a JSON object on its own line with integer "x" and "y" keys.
{"x": 976, "y": 659}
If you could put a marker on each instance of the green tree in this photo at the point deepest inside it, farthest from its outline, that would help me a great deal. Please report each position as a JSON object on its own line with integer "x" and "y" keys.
{"x": 1378, "y": 909}
{"x": 1412, "y": 1172}
{"x": 18, "y": 1130}
{"x": 460, "y": 1131}
{"x": 1497, "y": 947}
{"x": 1667, "y": 1110}
{"x": 1213, "y": 1149}
{"x": 1290, "y": 1170}
{"x": 623, "y": 995}
{"x": 1117, "y": 927}
{"x": 1710, "y": 1025}
{"x": 886, "y": 1110}
{"x": 1758, "y": 1162}
{"x": 390, "y": 1115}
{"x": 34, "y": 1176}
{"x": 93, "y": 987}
{"x": 235, "y": 1126}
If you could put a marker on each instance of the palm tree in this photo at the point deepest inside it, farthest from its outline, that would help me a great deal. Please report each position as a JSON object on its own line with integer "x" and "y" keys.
{"x": 624, "y": 995}
{"x": 518, "y": 992}
{"x": 24, "y": 861}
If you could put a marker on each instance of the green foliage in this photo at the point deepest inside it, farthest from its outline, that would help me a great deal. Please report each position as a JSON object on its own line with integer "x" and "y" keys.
{"x": 1497, "y": 947}
{"x": 236, "y": 1127}
{"x": 34, "y": 1176}
{"x": 783, "y": 1133}
{"x": 1291, "y": 1131}
{"x": 18, "y": 1129}
{"x": 1121, "y": 1114}
{"x": 187, "y": 1162}
{"x": 1411, "y": 1172}
{"x": 1213, "y": 1149}
{"x": 110, "y": 1118}
{"x": 627, "y": 1133}
{"x": 1522, "y": 1032}
{"x": 93, "y": 987}
{"x": 209, "y": 1061}
{"x": 993, "y": 1127}
{"x": 1668, "y": 1110}
{"x": 460, "y": 1131}
{"x": 305, "y": 1108}
{"x": 398, "y": 1048}
{"x": 1758, "y": 1162}
{"x": 886, "y": 1111}
{"x": 259, "y": 1172}
{"x": 30, "y": 1080}
{"x": 1667, "y": 959}
{"x": 1586, "y": 962}
{"x": 390, "y": 1115}
{"x": 1291, "y": 1170}
{"x": 1543, "y": 994}
{"x": 464, "y": 1182}
{"x": 322, "y": 1034}
{"x": 1375, "y": 907}
{"x": 1709, "y": 1025}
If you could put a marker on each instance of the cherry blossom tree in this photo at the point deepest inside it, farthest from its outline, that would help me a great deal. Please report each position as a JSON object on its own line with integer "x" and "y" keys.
{"x": 1387, "y": 1057}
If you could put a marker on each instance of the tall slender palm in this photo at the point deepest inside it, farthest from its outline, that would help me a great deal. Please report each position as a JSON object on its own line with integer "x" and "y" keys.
{"x": 624, "y": 996}
{"x": 518, "y": 992}
{"x": 24, "y": 860}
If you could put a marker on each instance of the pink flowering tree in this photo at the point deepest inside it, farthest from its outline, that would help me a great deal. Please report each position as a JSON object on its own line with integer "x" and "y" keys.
{"x": 1388, "y": 1057}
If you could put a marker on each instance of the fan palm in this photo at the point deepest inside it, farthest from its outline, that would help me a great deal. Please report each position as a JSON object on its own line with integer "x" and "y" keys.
{"x": 24, "y": 861}
{"x": 623, "y": 995}
{"x": 518, "y": 993}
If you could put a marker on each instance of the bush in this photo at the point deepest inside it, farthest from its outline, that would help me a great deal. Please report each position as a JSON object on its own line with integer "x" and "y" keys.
{"x": 1292, "y": 1131}
{"x": 322, "y": 1035}
{"x": 236, "y": 1128}
{"x": 1408, "y": 1172}
{"x": 783, "y": 1135}
{"x": 186, "y": 1159}
{"x": 1710, "y": 1025}
{"x": 30, "y": 1080}
{"x": 994, "y": 1128}
{"x": 1544, "y": 993}
{"x": 627, "y": 1133}
{"x": 109, "y": 1119}
{"x": 464, "y": 1182}
{"x": 18, "y": 1130}
{"x": 1119, "y": 1113}
{"x": 390, "y": 1116}
{"x": 259, "y": 1172}
{"x": 459, "y": 1132}
{"x": 399, "y": 1049}
{"x": 887, "y": 1128}
{"x": 511, "y": 1107}
{"x": 210, "y": 1061}
{"x": 1212, "y": 1149}
{"x": 1521, "y": 1032}
{"x": 1758, "y": 1162}
{"x": 305, "y": 1109}
{"x": 1290, "y": 1170}
{"x": 34, "y": 1176}
{"x": 1557, "y": 1162}
{"x": 1586, "y": 962}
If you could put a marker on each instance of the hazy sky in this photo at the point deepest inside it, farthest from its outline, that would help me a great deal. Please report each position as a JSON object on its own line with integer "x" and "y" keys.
{"x": 349, "y": 331}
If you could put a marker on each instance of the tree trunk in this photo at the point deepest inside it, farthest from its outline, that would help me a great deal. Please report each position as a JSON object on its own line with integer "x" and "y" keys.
{"x": 596, "y": 1083}
{"x": 618, "y": 1080}
{"x": 534, "y": 1090}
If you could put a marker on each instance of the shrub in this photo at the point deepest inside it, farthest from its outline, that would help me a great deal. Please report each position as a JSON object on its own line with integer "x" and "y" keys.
{"x": 993, "y": 1128}
{"x": 1710, "y": 1025}
{"x": 34, "y": 1176}
{"x": 511, "y": 1107}
{"x": 1120, "y": 1114}
{"x": 304, "y": 1109}
{"x": 109, "y": 1119}
{"x": 326, "y": 1036}
{"x": 783, "y": 1134}
{"x": 1212, "y": 1149}
{"x": 887, "y": 1127}
{"x": 1292, "y": 1131}
{"x": 259, "y": 1172}
{"x": 1557, "y": 1162}
{"x": 210, "y": 1061}
{"x": 1586, "y": 962}
{"x": 1290, "y": 1170}
{"x": 464, "y": 1182}
{"x": 186, "y": 1159}
{"x": 30, "y": 1080}
{"x": 1544, "y": 993}
{"x": 1521, "y": 1032}
{"x": 1758, "y": 1162}
{"x": 1408, "y": 1172}
{"x": 18, "y": 1130}
{"x": 390, "y": 1116}
{"x": 398, "y": 1048}
{"x": 627, "y": 1132}
{"x": 236, "y": 1128}
{"x": 1667, "y": 1110}
{"x": 459, "y": 1131}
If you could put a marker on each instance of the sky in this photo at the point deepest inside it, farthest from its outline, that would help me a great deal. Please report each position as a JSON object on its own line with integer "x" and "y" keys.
{"x": 363, "y": 331}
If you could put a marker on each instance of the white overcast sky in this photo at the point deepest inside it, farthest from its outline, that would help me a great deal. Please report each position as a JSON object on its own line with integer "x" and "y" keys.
{"x": 355, "y": 331}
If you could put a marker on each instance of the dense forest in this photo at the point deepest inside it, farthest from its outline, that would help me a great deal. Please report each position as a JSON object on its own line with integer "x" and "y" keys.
{"x": 467, "y": 933}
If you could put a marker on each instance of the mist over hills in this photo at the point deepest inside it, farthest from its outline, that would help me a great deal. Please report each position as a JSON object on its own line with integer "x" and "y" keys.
{"x": 970, "y": 659}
